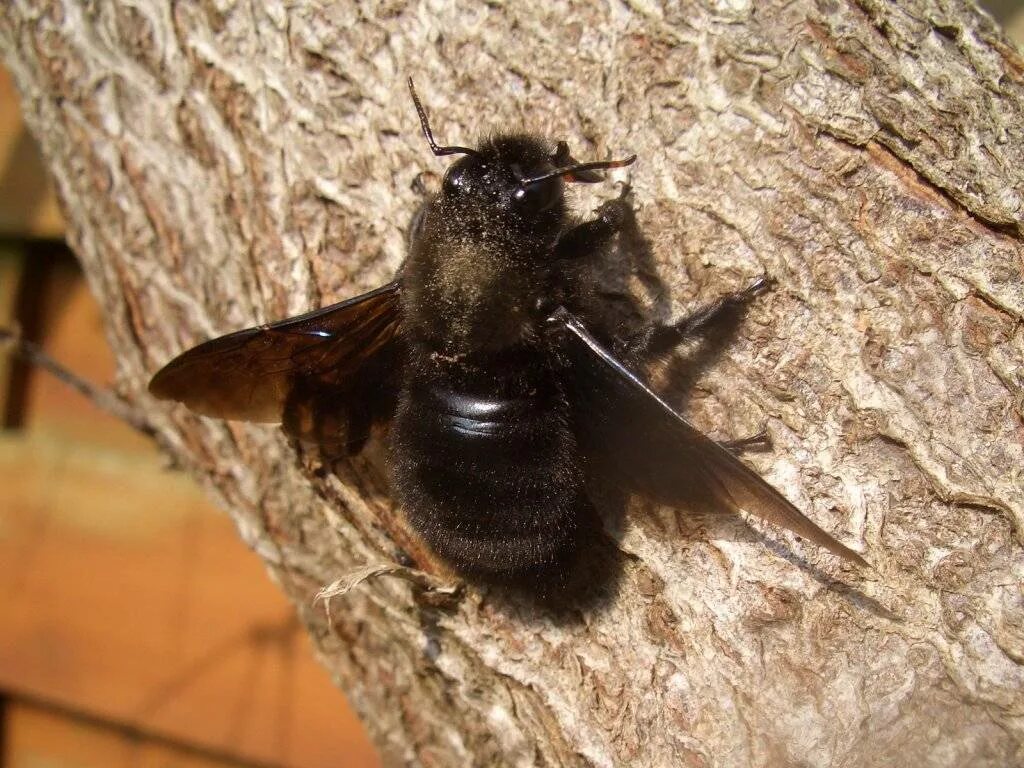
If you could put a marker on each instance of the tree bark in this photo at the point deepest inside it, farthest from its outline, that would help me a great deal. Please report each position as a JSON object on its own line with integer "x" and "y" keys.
{"x": 223, "y": 164}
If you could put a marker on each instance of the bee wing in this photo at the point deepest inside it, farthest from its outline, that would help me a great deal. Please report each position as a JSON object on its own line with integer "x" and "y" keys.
{"x": 665, "y": 456}
{"x": 302, "y": 370}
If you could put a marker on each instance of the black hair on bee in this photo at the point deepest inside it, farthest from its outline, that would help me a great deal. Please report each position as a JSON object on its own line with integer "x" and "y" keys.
{"x": 501, "y": 393}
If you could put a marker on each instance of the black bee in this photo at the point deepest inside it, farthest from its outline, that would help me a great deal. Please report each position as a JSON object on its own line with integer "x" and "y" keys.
{"x": 501, "y": 398}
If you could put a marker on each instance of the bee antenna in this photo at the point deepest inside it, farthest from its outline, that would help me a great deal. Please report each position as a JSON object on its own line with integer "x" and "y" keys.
{"x": 579, "y": 171}
{"x": 438, "y": 151}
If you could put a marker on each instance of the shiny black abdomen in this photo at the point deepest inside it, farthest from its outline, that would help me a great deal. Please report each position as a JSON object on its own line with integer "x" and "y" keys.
{"x": 493, "y": 484}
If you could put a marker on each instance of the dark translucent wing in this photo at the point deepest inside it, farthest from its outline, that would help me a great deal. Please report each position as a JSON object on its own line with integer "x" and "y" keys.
{"x": 667, "y": 458}
{"x": 300, "y": 370}
{"x": 337, "y": 416}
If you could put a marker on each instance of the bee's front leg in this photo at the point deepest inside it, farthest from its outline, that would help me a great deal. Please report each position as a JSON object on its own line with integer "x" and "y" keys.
{"x": 589, "y": 236}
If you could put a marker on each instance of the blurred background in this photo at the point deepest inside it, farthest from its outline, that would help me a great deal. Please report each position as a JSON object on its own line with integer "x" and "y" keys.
{"x": 136, "y": 629}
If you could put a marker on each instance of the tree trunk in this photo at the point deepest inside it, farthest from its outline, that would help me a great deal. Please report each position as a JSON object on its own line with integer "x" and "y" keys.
{"x": 223, "y": 164}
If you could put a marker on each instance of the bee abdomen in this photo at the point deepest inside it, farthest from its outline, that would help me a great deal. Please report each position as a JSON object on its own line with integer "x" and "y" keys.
{"x": 492, "y": 484}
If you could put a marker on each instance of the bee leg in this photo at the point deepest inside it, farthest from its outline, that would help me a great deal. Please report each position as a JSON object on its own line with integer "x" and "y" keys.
{"x": 423, "y": 183}
{"x": 660, "y": 339}
{"x": 759, "y": 442}
{"x": 587, "y": 237}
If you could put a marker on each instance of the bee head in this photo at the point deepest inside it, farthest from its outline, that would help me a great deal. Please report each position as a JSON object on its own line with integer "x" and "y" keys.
{"x": 513, "y": 177}
{"x": 498, "y": 178}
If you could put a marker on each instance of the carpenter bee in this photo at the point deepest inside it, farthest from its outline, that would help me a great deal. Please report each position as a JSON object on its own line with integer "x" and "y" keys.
{"x": 501, "y": 395}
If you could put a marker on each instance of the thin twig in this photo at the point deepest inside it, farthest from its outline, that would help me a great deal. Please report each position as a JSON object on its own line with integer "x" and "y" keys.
{"x": 104, "y": 399}
{"x": 348, "y": 581}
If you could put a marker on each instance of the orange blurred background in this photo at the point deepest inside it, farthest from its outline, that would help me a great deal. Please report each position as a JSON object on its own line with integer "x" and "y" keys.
{"x": 136, "y": 629}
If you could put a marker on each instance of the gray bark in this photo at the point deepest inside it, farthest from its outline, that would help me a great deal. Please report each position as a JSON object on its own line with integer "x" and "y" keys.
{"x": 222, "y": 164}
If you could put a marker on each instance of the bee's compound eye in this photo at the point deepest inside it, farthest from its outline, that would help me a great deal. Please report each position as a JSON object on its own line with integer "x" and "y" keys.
{"x": 452, "y": 181}
{"x": 536, "y": 197}
{"x": 457, "y": 178}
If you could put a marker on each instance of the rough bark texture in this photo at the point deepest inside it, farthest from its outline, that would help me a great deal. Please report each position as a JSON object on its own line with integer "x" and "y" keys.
{"x": 225, "y": 163}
